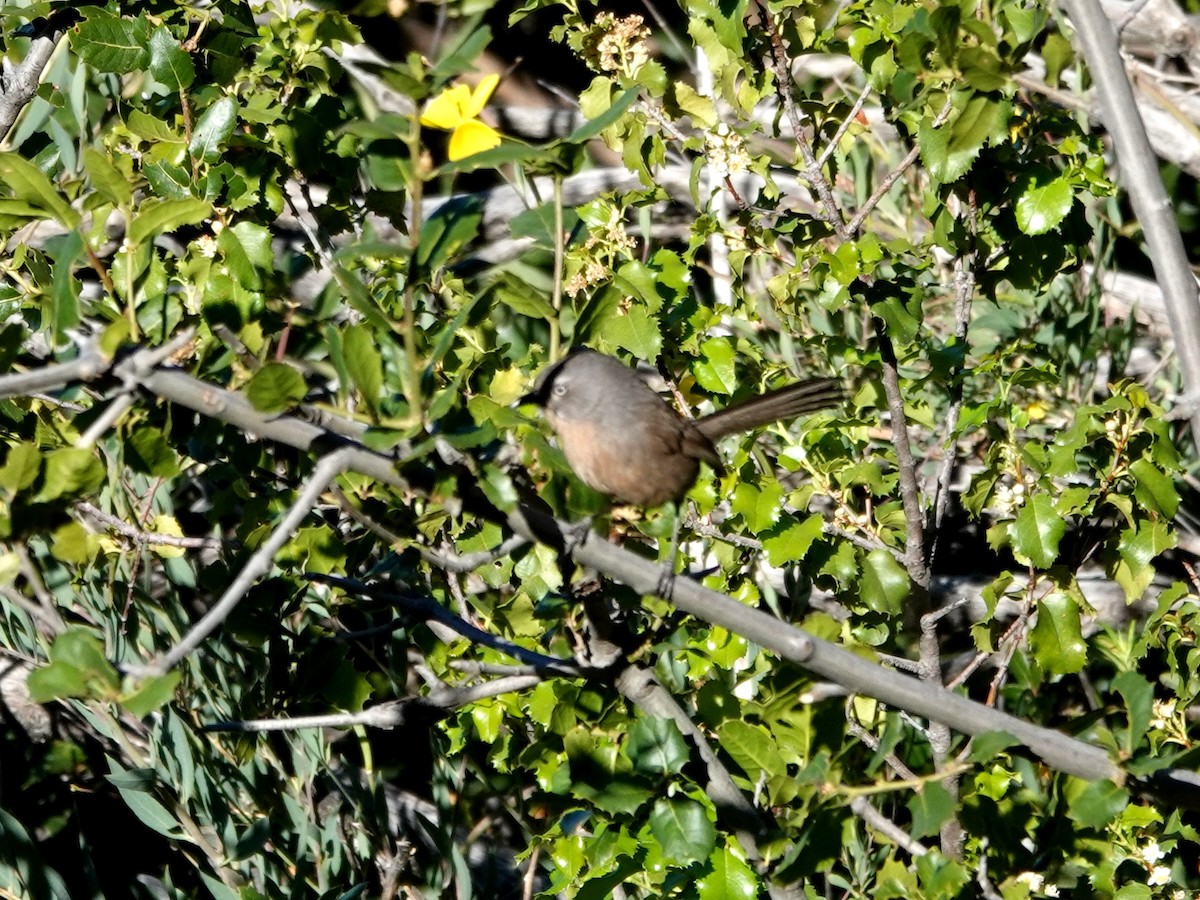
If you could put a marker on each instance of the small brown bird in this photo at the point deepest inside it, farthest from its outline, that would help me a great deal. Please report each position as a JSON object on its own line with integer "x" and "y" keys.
{"x": 622, "y": 439}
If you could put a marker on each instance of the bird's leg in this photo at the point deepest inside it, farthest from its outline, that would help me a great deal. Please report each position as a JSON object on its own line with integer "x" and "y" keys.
{"x": 666, "y": 581}
{"x": 576, "y": 533}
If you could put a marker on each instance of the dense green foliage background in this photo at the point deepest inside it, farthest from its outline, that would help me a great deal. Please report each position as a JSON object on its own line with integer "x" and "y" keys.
{"x": 747, "y": 193}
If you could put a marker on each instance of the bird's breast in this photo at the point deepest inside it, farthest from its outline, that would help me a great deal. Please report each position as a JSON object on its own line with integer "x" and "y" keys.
{"x": 638, "y": 465}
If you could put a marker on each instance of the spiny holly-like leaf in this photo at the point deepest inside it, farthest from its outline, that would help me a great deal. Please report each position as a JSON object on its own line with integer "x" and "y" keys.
{"x": 656, "y": 746}
{"x": 155, "y": 217}
{"x": 752, "y": 748}
{"x": 1057, "y": 638}
{"x": 1096, "y": 803}
{"x": 1041, "y": 207}
{"x": 730, "y": 879}
{"x": 1136, "y": 549}
{"x": 717, "y": 372}
{"x": 931, "y": 807}
{"x": 950, "y": 149}
{"x": 1154, "y": 489}
{"x": 682, "y": 830}
{"x": 1036, "y": 532}
{"x": 275, "y": 387}
{"x": 885, "y": 584}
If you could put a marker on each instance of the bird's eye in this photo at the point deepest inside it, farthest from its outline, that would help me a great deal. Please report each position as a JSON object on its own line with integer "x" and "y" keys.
{"x": 559, "y": 389}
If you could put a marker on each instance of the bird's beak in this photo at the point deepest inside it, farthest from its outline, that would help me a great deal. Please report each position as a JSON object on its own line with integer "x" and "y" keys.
{"x": 527, "y": 399}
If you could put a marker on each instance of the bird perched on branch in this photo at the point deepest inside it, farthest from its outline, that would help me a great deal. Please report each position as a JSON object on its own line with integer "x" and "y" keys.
{"x": 623, "y": 440}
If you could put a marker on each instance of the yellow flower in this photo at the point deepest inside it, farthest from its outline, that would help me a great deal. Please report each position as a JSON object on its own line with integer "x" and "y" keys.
{"x": 455, "y": 110}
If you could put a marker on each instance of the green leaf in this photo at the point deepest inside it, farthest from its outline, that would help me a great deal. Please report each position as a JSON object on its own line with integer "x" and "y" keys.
{"x": 107, "y": 179}
{"x": 1057, "y": 638}
{"x": 682, "y": 829}
{"x": 168, "y": 180}
{"x": 1136, "y": 550}
{"x": 236, "y": 254}
{"x": 1042, "y": 207}
{"x": 64, "y": 286}
{"x": 1036, "y": 532}
{"x": 149, "y": 451}
{"x": 1138, "y": 694}
{"x": 788, "y": 541}
{"x": 595, "y": 126}
{"x": 70, "y": 544}
{"x": 151, "y": 813}
{"x": 931, "y": 807}
{"x": 276, "y": 387}
{"x": 636, "y": 331}
{"x": 450, "y": 229}
{"x": 716, "y": 371}
{"x": 730, "y": 879}
{"x": 110, "y": 43}
{"x": 213, "y": 130}
{"x": 528, "y": 302}
{"x": 152, "y": 694}
{"x": 752, "y": 748}
{"x": 30, "y": 184}
{"x": 364, "y": 363}
{"x": 1097, "y": 804}
{"x": 949, "y": 150}
{"x": 884, "y": 585}
{"x": 538, "y": 223}
{"x": 1153, "y": 489}
{"x": 78, "y": 668}
{"x": 155, "y": 217}
{"x": 68, "y": 472}
{"x": 462, "y": 50}
{"x": 989, "y": 745}
{"x": 656, "y": 746}
{"x": 169, "y": 63}
{"x": 151, "y": 129}
{"x": 21, "y": 468}
{"x": 758, "y": 507}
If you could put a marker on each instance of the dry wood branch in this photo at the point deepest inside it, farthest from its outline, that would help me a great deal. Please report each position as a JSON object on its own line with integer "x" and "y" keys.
{"x": 19, "y": 83}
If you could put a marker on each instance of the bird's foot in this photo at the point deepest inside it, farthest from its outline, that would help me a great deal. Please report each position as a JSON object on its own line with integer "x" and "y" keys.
{"x": 666, "y": 585}
{"x": 575, "y": 535}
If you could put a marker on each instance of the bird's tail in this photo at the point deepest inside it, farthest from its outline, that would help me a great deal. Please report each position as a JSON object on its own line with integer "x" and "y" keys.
{"x": 774, "y": 406}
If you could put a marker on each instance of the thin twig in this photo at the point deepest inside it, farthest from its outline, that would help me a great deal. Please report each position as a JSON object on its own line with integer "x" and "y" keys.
{"x": 259, "y": 564}
{"x": 833, "y": 142}
{"x": 910, "y": 492}
{"x": 783, "y": 83}
{"x": 147, "y": 537}
{"x": 430, "y": 609}
{"x": 442, "y": 559}
{"x": 388, "y": 715}
{"x": 117, "y": 408}
{"x": 856, "y": 729}
{"x": 865, "y": 810}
